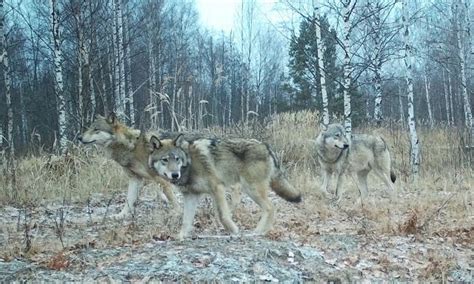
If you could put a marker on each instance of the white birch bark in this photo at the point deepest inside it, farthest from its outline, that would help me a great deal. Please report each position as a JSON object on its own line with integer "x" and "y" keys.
{"x": 128, "y": 62}
{"x": 121, "y": 109}
{"x": 80, "y": 66}
{"x": 378, "y": 115}
{"x": 451, "y": 104}
{"x": 7, "y": 80}
{"x": 446, "y": 99}
{"x": 153, "y": 106}
{"x": 462, "y": 65}
{"x": 348, "y": 6}
{"x": 428, "y": 101}
{"x": 322, "y": 70}
{"x": 116, "y": 78}
{"x": 91, "y": 81}
{"x": 24, "y": 122}
{"x": 58, "y": 86}
{"x": 407, "y": 58}
{"x": 402, "y": 111}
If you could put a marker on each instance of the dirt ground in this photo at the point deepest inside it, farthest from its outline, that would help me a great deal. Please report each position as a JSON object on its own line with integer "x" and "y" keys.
{"x": 316, "y": 240}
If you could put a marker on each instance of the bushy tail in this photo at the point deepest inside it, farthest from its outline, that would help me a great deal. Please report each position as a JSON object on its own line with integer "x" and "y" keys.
{"x": 393, "y": 177}
{"x": 284, "y": 189}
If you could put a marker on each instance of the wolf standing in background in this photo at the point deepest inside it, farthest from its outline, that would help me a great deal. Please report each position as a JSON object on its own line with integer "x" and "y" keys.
{"x": 211, "y": 166}
{"x": 126, "y": 148}
{"x": 363, "y": 154}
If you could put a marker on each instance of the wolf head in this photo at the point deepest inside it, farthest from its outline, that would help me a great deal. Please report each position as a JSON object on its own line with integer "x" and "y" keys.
{"x": 334, "y": 136}
{"x": 168, "y": 158}
{"x": 104, "y": 131}
{"x": 101, "y": 131}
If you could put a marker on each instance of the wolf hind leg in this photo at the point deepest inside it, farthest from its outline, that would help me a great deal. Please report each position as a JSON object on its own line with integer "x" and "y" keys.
{"x": 384, "y": 175}
{"x": 223, "y": 210}
{"x": 191, "y": 202}
{"x": 362, "y": 183}
{"x": 259, "y": 194}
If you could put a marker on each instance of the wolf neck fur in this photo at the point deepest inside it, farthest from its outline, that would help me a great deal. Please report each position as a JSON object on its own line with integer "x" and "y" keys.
{"x": 321, "y": 153}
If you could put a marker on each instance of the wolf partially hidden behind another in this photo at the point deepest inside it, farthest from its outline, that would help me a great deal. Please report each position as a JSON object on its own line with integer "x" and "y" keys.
{"x": 363, "y": 154}
{"x": 211, "y": 166}
{"x": 124, "y": 146}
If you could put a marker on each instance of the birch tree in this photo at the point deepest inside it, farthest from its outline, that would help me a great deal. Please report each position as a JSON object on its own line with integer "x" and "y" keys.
{"x": 120, "y": 54}
{"x": 407, "y": 59}
{"x": 58, "y": 82}
{"x": 460, "y": 28}
{"x": 428, "y": 101}
{"x": 348, "y": 8}
{"x": 6, "y": 76}
{"x": 128, "y": 61}
{"x": 321, "y": 50}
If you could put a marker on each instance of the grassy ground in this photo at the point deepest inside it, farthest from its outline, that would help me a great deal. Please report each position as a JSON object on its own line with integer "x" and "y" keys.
{"x": 57, "y": 203}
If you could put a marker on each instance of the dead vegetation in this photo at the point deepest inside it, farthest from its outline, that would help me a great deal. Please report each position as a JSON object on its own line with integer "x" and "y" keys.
{"x": 61, "y": 206}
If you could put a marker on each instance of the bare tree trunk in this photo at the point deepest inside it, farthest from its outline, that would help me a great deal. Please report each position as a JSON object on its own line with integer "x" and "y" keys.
{"x": 58, "y": 87}
{"x": 428, "y": 102}
{"x": 415, "y": 150}
{"x": 128, "y": 61}
{"x": 7, "y": 79}
{"x": 446, "y": 99}
{"x": 322, "y": 70}
{"x": 116, "y": 85}
{"x": 80, "y": 67}
{"x": 462, "y": 65}
{"x": 24, "y": 122}
{"x": 402, "y": 111}
{"x": 190, "y": 108}
{"x": 378, "y": 115}
{"x": 348, "y": 7}
{"x": 451, "y": 104}
{"x": 153, "y": 108}
{"x": 121, "y": 110}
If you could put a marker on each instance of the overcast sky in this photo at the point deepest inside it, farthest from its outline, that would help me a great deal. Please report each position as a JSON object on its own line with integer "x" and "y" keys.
{"x": 221, "y": 14}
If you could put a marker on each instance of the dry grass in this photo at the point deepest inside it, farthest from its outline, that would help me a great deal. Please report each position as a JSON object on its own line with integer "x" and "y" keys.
{"x": 438, "y": 204}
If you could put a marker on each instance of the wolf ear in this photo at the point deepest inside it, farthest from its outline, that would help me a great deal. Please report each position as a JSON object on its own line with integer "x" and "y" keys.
{"x": 112, "y": 118}
{"x": 323, "y": 127}
{"x": 154, "y": 143}
{"x": 180, "y": 141}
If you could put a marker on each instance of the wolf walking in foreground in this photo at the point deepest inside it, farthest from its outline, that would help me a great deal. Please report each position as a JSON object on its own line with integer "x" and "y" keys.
{"x": 125, "y": 146}
{"x": 357, "y": 158}
{"x": 211, "y": 165}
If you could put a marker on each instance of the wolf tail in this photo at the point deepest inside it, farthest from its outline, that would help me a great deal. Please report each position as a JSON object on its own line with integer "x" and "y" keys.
{"x": 284, "y": 189}
{"x": 280, "y": 184}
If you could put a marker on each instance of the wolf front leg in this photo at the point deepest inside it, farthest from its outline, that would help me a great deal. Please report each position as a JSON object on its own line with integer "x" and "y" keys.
{"x": 134, "y": 186}
{"x": 168, "y": 191}
{"x": 339, "y": 182}
{"x": 191, "y": 202}
{"x": 326, "y": 181}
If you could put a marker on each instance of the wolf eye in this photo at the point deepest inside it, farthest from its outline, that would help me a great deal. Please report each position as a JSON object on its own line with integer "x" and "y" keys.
{"x": 338, "y": 135}
{"x": 164, "y": 160}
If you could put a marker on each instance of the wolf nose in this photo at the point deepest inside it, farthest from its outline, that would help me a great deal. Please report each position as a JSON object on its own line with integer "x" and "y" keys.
{"x": 346, "y": 146}
{"x": 79, "y": 138}
{"x": 175, "y": 175}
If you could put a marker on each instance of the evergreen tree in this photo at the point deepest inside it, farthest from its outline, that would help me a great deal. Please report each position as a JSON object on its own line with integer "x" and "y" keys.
{"x": 303, "y": 67}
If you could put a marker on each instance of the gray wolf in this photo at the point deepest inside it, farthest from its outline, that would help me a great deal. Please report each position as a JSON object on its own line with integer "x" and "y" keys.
{"x": 210, "y": 166}
{"x": 126, "y": 146}
{"x": 364, "y": 153}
